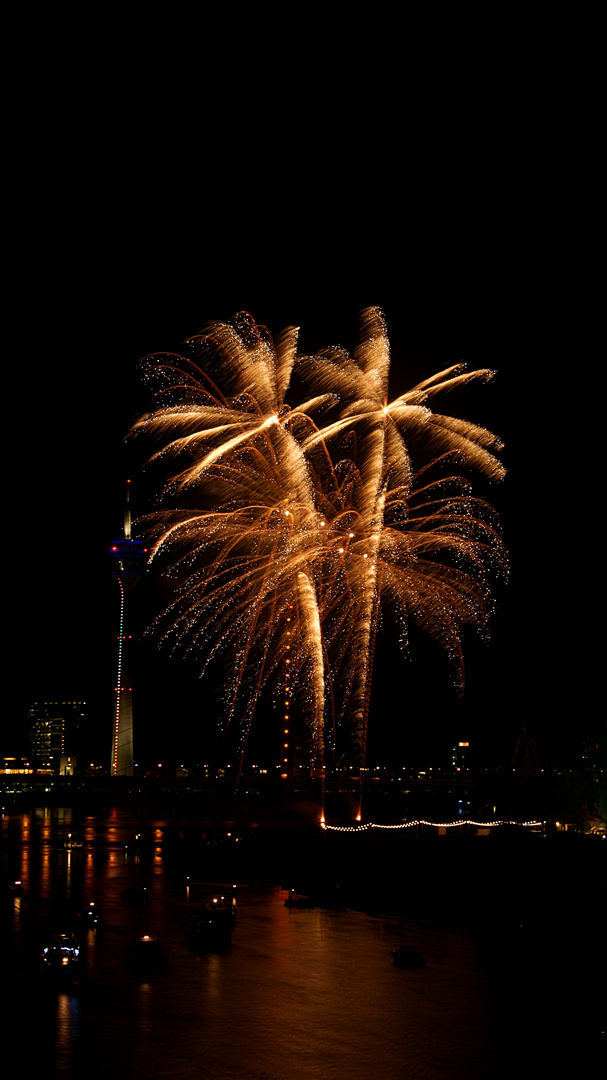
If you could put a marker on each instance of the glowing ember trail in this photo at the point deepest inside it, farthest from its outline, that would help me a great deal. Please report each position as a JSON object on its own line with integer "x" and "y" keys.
{"x": 428, "y": 543}
{"x": 269, "y": 513}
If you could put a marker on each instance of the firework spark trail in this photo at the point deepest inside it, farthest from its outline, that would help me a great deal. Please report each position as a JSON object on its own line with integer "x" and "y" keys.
{"x": 330, "y": 521}
{"x": 254, "y": 371}
{"x": 308, "y": 606}
{"x": 402, "y": 562}
{"x": 245, "y": 561}
{"x": 260, "y": 556}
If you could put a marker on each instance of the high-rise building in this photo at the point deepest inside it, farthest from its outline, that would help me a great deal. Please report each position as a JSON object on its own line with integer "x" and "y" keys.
{"x": 128, "y": 558}
{"x": 460, "y": 760}
{"x": 55, "y": 733}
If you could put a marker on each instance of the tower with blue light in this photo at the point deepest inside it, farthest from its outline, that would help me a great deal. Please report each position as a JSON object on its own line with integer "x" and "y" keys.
{"x": 128, "y": 557}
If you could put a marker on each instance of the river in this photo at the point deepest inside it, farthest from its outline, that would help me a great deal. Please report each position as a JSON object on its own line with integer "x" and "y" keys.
{"x": 302, "y": 993}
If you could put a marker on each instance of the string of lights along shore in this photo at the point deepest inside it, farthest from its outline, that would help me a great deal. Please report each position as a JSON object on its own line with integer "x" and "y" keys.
{"x": 321, "y": 515}
{"x": 128, "y": 557}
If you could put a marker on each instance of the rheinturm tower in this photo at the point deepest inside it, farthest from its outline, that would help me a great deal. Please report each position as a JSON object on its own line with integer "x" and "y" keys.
{"x": 128, "y": 557}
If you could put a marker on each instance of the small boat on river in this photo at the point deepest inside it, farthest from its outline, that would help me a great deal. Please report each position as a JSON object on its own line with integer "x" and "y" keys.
{"x": 296, "y": 900}
{"x": 222, "y": 910}
{"x": 408, "y": 957}
{"x": 209, "y": 928}
{"x": 61, "y": 958}
{"x": 91, "y": 917}
{"x": 73, "y": 842}
{"x": 146, "y": 955}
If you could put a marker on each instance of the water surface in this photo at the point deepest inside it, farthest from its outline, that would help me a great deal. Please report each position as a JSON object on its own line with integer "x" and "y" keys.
{"x": 302, "y": 993}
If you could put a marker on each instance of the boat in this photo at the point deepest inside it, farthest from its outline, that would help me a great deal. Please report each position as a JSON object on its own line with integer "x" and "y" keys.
{"x": 296, "y": 900}
{"x": 209, "y": 930}
{"x": 222, "y": 910}
{"x": 73, "y": 842}
{"x": 91, "y": 917}
{"x": 61, "y": 958}
{"x": 408, "y": 957}
{"x": 146, "y": 955}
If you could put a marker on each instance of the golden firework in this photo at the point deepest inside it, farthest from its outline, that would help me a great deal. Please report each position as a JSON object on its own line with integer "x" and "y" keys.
{"x": 322, "y": 523}
{"x": 422, "y": 548}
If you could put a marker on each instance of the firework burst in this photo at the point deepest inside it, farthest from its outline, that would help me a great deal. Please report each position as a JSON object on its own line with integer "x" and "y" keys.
{"x": 244, "y": 558}
{"x": 423, "y": 548}
{"x": 303, "y": 530}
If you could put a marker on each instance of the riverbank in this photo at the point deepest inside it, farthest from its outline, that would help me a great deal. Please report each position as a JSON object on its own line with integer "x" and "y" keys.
{"x": 296, "y": 803}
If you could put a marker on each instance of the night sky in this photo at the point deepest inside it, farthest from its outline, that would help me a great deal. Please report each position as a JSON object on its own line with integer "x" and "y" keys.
{"x": 142, "y": 225}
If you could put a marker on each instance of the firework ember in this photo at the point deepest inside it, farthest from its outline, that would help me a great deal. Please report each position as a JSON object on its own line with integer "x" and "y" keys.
{"x": 290, "y": 529}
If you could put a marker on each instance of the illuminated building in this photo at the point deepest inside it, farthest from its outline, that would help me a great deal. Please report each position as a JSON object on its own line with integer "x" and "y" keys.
{"x": 12, "y": 766}
{"x": 128, "y": 557}
{"x": 54, "y": 734}
{"x": 460, "y": 757}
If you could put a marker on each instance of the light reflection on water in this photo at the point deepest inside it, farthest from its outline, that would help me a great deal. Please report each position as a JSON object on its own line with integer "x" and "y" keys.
{"x": 302, "y": 993}
{"x": 67, "y": 1030}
